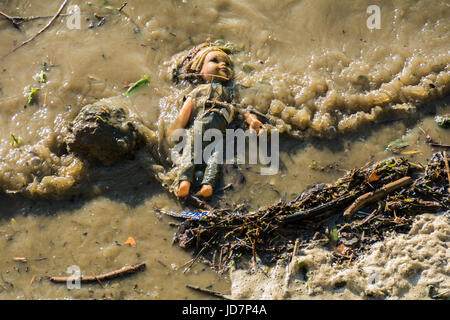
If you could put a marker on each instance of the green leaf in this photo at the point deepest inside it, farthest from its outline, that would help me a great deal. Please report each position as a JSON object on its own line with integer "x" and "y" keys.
{"x": 334, "y": 235}
{"x": 140, "y": 83}
{"x": 14, "y": 140}
{"x": 43, "y": 77}
{"x": 32, "y": 95}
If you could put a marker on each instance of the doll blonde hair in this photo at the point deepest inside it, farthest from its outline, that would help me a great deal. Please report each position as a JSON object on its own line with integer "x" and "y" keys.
{"x": 189, "y": 66}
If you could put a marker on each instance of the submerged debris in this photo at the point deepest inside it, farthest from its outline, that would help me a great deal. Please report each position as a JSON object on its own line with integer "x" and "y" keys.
{"x": 104, "y": 133}
{"x": 443, "y": 121}
{"x": 316, "y": 216}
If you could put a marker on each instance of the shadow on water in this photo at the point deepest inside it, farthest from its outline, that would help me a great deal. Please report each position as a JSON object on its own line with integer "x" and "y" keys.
{"x": 126, "y": 183}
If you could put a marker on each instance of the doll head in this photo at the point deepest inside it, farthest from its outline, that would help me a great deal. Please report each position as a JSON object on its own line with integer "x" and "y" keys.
{"x": 205, "y": 63}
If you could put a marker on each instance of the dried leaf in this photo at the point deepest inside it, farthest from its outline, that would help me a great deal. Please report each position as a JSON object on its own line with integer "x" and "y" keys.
{"x": 106, "y": 110}
{"x": 32, "y": 279}
{"x": 131, "y": 242}
{"x": 343, "y": 249}
{"x": 374, "y": 176}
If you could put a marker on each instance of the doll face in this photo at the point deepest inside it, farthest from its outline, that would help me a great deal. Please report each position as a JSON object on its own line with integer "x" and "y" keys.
{"x": 217, "y": 67}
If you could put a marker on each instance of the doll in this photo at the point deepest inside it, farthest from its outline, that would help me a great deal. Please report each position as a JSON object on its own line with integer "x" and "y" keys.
{"x": 210, "y": 105}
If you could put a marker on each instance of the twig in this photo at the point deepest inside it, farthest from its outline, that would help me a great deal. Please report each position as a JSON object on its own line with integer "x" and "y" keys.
{"x": 370, "y": 217}
{"x": 120, "y": 10}
{"x": 294, "y": 253}
{"x": 193, "y": 260}
{"x": 319, "y": 209}
{"x": 438, "y": 145}
{"x": 17, "y": 21}
{"x": 32, "y": 279}
{"x": 197, "y": 202}
{"x": 188, "y": 75}
{"x": 431, "y": 142}
{"x": 446, "y": 168}
{"x": 20, "y": 259}
{"x": 110, "y": 275}
{"x": 98, "y": 280}
{"x": 42, "y": 30}
{"x": 374, "y": 195}
{"x": 228, "y": 186}
{"x": 240, "y": 107}
{"x": 253, "y": 252}
{"x": 210, "y": 292}
{"x": 122, "y": 6}
{"x": 13, "y": 20}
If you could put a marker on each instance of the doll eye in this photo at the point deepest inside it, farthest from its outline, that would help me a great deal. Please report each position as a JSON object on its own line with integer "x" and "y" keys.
{"x": 215, "y": 60}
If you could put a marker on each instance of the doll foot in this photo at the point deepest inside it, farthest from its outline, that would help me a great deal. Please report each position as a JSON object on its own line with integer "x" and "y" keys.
{"x": 183, "y": 189}
{"x": 206, "y": 191}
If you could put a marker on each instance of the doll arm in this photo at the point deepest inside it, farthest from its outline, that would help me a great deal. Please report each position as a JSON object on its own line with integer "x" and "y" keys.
{"x": 254, "y": 122}
{"x": 184, "y": 115}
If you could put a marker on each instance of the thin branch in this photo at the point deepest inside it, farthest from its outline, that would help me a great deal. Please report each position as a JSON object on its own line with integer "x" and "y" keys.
{"x": 42, "y": 30}
{"x": 210, "y": 292}
{"x": 372, "y": 196}
{"x": 447, "y": 169}
{"x": 110, "y": 275}
{"x": 13, "y": 20}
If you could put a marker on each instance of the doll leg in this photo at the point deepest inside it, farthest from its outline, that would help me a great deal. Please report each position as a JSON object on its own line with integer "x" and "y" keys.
{"x": 206, "y": 191}
{"x": 211, "y": 175}
{"x": 183, "y": 188}
{"x": 185, "y": 181}
{"x": 187, "y": 169}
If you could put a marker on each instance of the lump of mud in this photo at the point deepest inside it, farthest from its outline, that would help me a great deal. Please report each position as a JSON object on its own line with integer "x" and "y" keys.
{"x": 103, "y": 133}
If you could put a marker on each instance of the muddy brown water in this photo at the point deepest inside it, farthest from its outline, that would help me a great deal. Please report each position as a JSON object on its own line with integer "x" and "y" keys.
{"x": 315, "y": 65}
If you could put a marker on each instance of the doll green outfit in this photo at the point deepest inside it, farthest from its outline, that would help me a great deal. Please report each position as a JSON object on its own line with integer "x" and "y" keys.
{"x": 203, "y": 118}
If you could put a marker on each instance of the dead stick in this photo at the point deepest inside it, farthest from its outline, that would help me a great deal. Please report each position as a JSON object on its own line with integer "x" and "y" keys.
{"x": 192, "y": 261}
{"x": 374, "y": 195}
{"x": 294, "y": 253}
{"x": 446, "y": 168}
{"x": 43, "y": 29}
{"x": 123, "y": 6}
{"x": 110, "y": 275}
{"x": 198, "y": 203}
{"x": 370, "y": 217}
{"x": 319, "y": 209}
{"x": 253, "y": 253}
{"x": 210, "y": 292}
{"x": 12, "y": 20}
{"x": 438, "y": 145}
{"x": 17, "y": 21}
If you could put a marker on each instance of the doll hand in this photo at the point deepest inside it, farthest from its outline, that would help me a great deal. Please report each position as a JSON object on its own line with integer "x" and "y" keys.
{"x": 256, "y": 125}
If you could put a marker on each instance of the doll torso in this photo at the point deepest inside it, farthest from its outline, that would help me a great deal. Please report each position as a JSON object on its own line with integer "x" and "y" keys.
{"x": 212, "y": 92}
